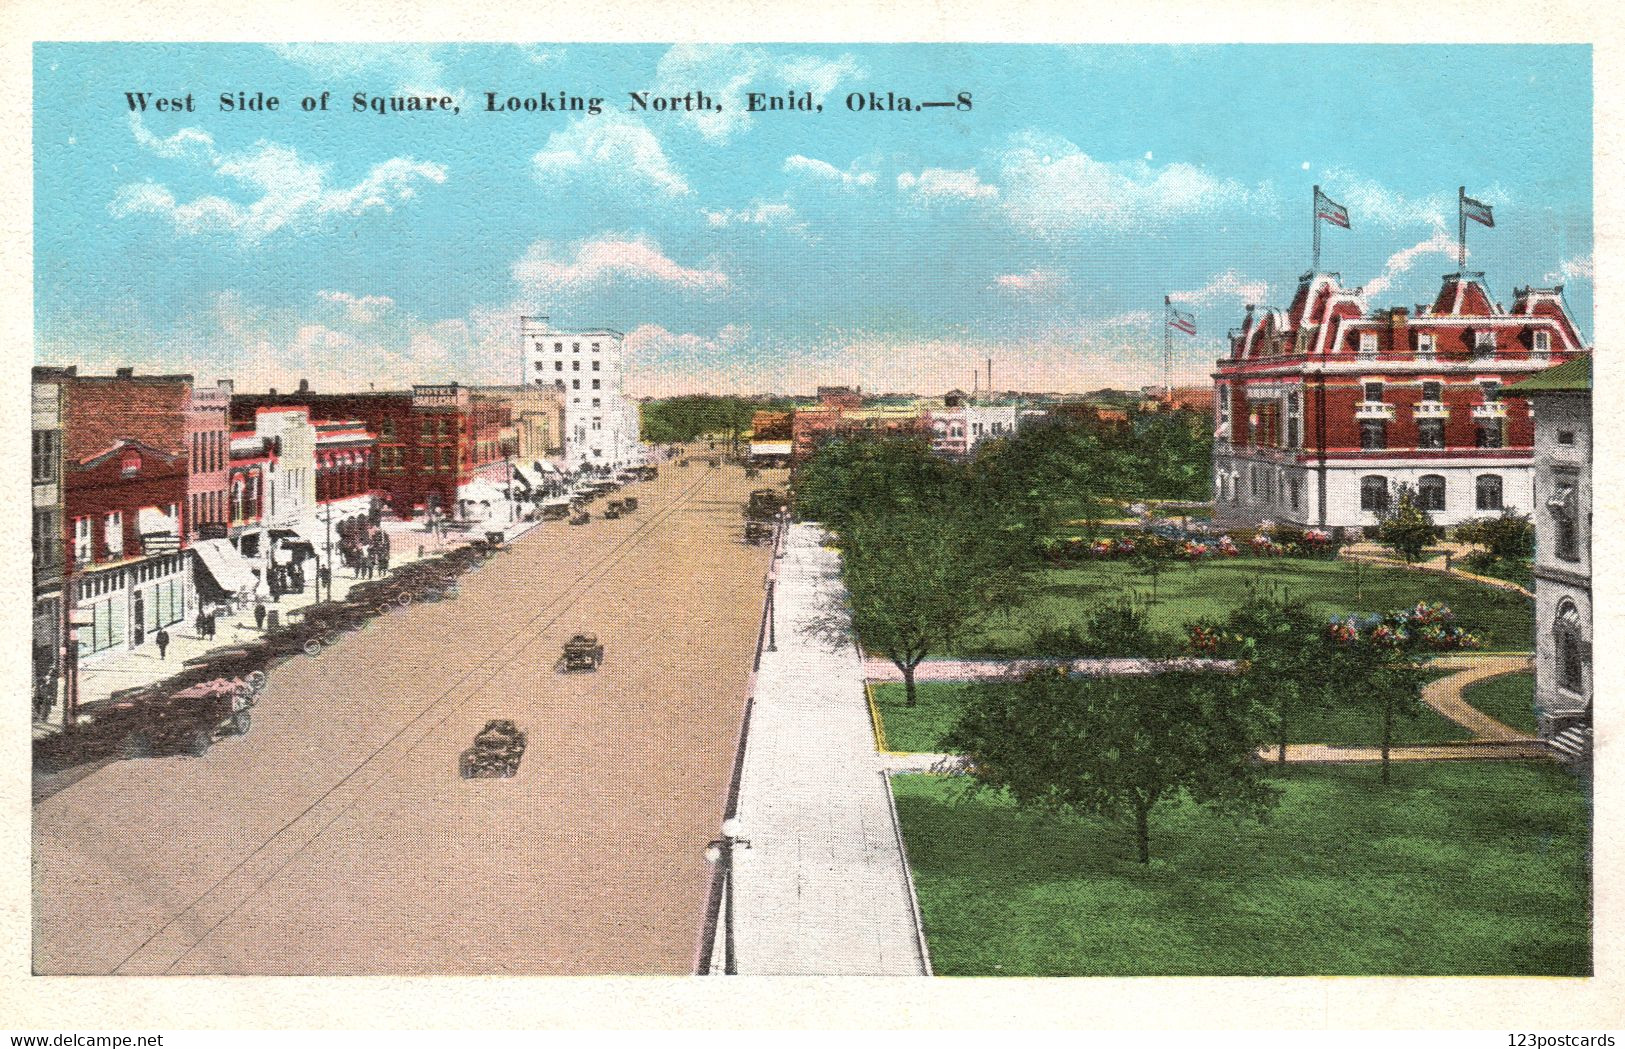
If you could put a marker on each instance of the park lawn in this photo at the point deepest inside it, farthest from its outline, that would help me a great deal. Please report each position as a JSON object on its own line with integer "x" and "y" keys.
{"x": 1186, "y": 593}
{"x": 1509, "y": 699}
{"x": 921, "y": 729}
{"x": 1459, "y": 868}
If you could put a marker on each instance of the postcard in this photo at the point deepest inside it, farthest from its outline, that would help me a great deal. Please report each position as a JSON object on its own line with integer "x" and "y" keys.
{"x": 929, "y": 510}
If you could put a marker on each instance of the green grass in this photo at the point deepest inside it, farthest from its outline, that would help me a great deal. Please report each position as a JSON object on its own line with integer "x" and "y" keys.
{"x": 1458, "y": 868}
{"x": 921, "y": 728}
{"x": 1509, "y": 699}
{"x": 1186, "y": 593}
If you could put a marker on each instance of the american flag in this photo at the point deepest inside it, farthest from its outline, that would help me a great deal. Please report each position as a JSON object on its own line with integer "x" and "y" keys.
{"x": 1330, "y": 210}
{"x": 1478, "y": 211}
{"x": 1179, "y": 320}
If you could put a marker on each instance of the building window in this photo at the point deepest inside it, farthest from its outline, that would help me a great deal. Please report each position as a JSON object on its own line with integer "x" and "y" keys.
{"x": 113, "y": 534}
{"x": 1296, "y": 491}
{"x": 1372, "y": 389}
{"x": 1565, "y": 510}
{"x": 595, "y": 383}
{"x": 1374, "y": 493}
{"x": 558, "y": 366}
{"x": 595, "y": 363}
{"x": 1294, "y": 419}
{"x": 1430, "y": 492}
{"x": 1430, "y": 433}
{"x": 1425, "y": 344}
{"x": 1433, "y": 390}
{"x": 595, "y": 347}
{"x": 1483, "y": 344}
{"x": 1489, "y": 492}
{"x": 1373, "y": 435}
{"x": 46, "y": 538}
{"x": 1490, "y": 433}
{"x": 1543, "y": 342}
{"x": 575, "y": 366}
{"x": 1368, "y": 344}
{"x": 575, "y": 347}
{"x": 595, "y": 402}
{"x": 575, "y": 384}
{"x": 1222, "y": 400}
{"x": 1492, "y": 390}
{"x": 1570, "y": 649}
{"x": 1565, "y": 437}
{"x": 46, "y": 444}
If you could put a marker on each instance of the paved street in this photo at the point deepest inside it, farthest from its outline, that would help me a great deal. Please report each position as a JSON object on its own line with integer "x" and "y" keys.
{"x": 337, "y": 837}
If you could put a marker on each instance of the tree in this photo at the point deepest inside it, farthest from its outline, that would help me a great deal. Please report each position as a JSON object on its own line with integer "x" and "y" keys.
{"x": 1507, "y": 538}
{"x": 1284, "y": 649}
{"x": 864, "y": 474}
{"x": 1117, "y": 747}
{"x": 1405, "y": 527}
{"x": 915, "y": 580}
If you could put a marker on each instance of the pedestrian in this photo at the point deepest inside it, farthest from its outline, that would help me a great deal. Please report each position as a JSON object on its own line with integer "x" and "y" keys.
{"x": 163, "y": 641}
{"x": 208, "y": 625}
{"x": 202, "y": 622}
{"x": 259, "y": 614}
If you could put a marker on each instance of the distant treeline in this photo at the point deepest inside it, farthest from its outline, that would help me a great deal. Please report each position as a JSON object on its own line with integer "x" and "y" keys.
{"x": 674, "y": 419}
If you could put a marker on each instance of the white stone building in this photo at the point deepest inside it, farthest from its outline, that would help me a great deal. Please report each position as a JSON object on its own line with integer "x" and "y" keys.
{"x": 1563, "y": 622}
{"x": 587, "y": 369}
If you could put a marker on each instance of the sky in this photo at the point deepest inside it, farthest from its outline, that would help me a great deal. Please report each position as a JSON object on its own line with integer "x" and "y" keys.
{"x": 774, "y": 252}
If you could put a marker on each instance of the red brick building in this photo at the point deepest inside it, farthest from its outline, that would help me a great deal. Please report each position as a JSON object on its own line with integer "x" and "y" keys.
{"x": 127, "y": 573}
{"x": 1323, "y": 409}
{"x": 840, "y": 410}
{"x": 208, "y": 433}
{"x": 430, "y": 441}
{"x": 125, "y": 477}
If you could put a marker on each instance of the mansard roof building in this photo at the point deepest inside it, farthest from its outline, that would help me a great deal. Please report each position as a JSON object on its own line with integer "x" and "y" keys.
{"x": 1323, "y": 409}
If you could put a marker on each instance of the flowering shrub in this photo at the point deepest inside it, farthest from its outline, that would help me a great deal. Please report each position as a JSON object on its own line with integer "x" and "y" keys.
{"x": 1227, "y": 546}
{"x": 1193, "y": 550}
{"x": 1264, "y": 546}
{"x": 1429, "y": 625}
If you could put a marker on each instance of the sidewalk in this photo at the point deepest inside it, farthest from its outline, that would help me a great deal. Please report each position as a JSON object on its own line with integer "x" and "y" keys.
{"x": 101, "y": 677}
{"x": 822, "y": 889}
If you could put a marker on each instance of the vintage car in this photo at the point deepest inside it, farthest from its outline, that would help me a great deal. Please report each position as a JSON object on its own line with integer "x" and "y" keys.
{"x": 152, "y": 722}
{"x": 580, "y": 516}
{"x": 765, "y": 504}
{"x": 582, "y": 652}
{"x": 612, "y": 509}
{"x": 629, "y": 504}
{"x": 495, "y": 753}
{"x": 758, "y": 532}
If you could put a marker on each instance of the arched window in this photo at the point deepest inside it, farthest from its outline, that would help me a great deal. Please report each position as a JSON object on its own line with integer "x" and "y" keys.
{"x": 1374, "y": 493}
{"x": 1430, "y": 492}
{"x": 1564, "y": 507}
{"x": 1489, "y": 492}
{"x": 1570, "y": 647}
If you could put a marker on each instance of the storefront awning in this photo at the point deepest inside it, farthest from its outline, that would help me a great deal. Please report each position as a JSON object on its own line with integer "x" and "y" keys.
{"x": 229, "y": 568}
{"x": 525, "y": 477}
{"x": 304, "y": 533}
{"x": 478, "y": 491}
{"x": 546, "y": 467}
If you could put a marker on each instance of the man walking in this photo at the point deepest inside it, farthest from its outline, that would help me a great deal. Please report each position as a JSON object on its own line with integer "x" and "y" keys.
{"x": 208, "y": 625}
{"x": 162, "y": 637}
{"x": 259, "y": 614}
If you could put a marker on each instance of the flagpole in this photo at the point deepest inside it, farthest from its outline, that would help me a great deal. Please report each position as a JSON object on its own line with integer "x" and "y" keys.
{"x": 1461, "y": 229}
{"x": 1314, "y": 206}
{"x": 1167, "y": 343}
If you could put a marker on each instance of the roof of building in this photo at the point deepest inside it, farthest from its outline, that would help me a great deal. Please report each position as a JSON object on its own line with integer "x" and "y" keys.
{"x": 1572, "y": 376}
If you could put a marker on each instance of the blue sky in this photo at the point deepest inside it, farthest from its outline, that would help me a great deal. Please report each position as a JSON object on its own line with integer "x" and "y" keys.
{"x": 772, "y": 252}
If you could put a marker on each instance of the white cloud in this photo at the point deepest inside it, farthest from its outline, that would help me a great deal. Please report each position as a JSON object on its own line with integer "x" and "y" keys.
{"x": 188, "y": 142}
{"x": 1225, "y": 286}
{"x": 757, "y": 214}
{"x": 598, "y": 262}
{"x": 827, "y": 172}
{"x": 1130, "y": 319}
{"x": 1049, "y": 185}
{"x": 727, "y": 72}
{"x": 1400, "y": 262}
{"x": 946, "y": 184}
{"x": 362, "y": 309}
{"x": 611, "y": 148}
{"x": 1034, "y": 284}
{"x": 291, "y": 191}
{"x": 1579, "y": 268}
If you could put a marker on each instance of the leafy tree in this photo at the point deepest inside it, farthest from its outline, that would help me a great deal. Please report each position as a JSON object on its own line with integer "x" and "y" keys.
{"x": 864, "y": 474}
{"x": 916, "y": 580}
{"x": 1114, "y": 630}
{"x": 1284, "y": 649}
{"x": 1509, "y": 537}
{"x": 1405, "y": 527}
{"x": 1117, "y": 747}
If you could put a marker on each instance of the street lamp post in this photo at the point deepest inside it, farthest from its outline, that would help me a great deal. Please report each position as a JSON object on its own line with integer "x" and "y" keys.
{"x": 721, "y": 851}
{"x": 328, "y": 517}
{"x": 772, "y": 637}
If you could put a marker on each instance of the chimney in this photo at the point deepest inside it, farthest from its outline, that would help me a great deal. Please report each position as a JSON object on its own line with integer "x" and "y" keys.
{"x": 1396, "y": 327}
{"x": 124, "y": 372}
{"x": 304, "y": 385}
{"x": 273, "y": 391}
